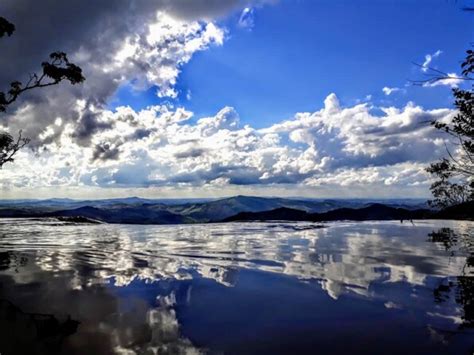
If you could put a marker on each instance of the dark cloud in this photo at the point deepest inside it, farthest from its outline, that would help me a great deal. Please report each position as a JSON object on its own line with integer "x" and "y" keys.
{"x": 204, "y": 9}
{"x": 88, "y": 125}
{"x": 105, "y": 151}
{"x": 91, "y": 33}
{"x": 99, "y": 26}
{"x": 141, "y": 133}
{"x": 190, "y": 153}
{"x": 50, "y": 25}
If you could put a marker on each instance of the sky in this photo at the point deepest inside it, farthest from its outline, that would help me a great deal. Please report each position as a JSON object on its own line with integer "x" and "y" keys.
{"x": 210, "y": 98}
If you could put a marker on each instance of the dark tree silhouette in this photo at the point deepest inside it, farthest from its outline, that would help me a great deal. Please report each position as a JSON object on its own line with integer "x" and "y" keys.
{"x": 460, "y": 288}
{"x": 455, "y": 173}
{"x": 9, "y": 146}
{"x": 6, "y": 28}
{"x": 55, "y": 70}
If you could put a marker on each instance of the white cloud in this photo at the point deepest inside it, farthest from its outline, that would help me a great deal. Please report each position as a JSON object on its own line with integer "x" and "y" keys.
{"x": 80, "y": 144}
{"x": 160, "y": 147}
{"x": 247, "y": 18}
{"x": 115, "y": 44}
{"x": 452, "y": 80}
{"x": 388, "y": 91}
{"x": 428, "y": 59}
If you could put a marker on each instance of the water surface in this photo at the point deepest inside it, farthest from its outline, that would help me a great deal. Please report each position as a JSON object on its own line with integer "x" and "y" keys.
{"x": 243, "y": 288}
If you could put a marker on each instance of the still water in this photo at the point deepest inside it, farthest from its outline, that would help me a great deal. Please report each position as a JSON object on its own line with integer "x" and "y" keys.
{"x": 243, "y": 288}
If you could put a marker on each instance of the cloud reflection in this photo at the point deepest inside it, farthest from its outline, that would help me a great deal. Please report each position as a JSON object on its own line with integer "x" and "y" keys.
{"x": 404, "y": 267}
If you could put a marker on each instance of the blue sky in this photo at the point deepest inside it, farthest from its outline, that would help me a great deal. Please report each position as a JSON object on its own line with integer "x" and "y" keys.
{"x": 217, "y": 98}
{"x": 297, "y": 52}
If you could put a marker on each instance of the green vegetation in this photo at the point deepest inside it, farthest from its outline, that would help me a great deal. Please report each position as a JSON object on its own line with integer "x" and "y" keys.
{"x": 455, "y": 173}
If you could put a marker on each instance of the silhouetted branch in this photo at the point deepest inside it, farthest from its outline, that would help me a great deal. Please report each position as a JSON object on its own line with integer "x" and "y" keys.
{"x": 55, "y": 70}
{"x": 9, "y": 147}
{"x": 435, "y": 75}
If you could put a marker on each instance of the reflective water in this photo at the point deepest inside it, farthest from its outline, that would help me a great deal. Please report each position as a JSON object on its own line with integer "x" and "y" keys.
{"x": 255, "y": 288}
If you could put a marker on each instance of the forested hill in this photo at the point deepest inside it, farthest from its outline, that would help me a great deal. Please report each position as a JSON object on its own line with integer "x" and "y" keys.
{"x": 375, "y": 211}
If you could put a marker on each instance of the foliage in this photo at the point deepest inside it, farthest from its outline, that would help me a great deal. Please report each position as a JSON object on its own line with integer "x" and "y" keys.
{"x": 9, "y": 146}
{"x": 55, "y": 70}
{"x": 455, "y": 174}
{"x": 6, "y": 28}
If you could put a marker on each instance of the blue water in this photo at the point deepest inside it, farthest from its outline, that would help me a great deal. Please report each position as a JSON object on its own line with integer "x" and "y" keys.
{"x": 243, "y": 288}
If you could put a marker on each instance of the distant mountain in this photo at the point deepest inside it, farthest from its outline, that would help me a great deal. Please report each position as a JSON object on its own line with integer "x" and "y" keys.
{"x": 138, "y": 210}
{"x": 373, "y": 212}
{"x": 407, "y": 203}
{"x": 278, "y": 214}
{"x": 220, "y": 209}
{"x": 71, "y": 203}
{"x": 127, "y": 215}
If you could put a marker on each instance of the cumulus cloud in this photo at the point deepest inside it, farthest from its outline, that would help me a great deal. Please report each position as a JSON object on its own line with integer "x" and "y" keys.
{"x": 359, "y": 137}
{"x": 79, "y": 142}
{"x": 163, "y": 147}
{"x": 142, "y": 44}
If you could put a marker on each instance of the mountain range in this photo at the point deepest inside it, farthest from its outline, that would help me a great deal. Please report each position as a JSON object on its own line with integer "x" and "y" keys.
{"x": 135, "y": 210}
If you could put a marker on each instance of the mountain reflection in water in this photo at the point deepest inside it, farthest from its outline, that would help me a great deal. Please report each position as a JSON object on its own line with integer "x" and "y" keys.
{"x": 247, "y": 288}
